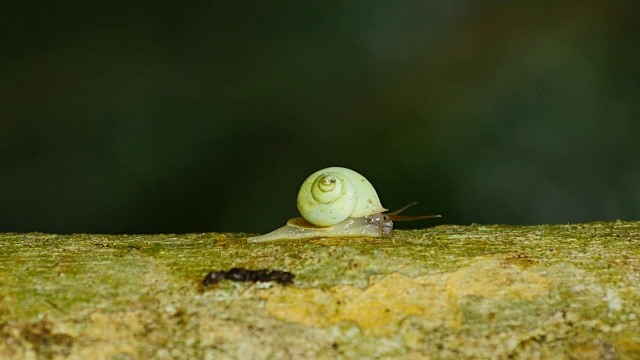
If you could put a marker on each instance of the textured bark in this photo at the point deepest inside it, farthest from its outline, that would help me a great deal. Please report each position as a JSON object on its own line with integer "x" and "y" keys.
{"x": 551, "y": 291}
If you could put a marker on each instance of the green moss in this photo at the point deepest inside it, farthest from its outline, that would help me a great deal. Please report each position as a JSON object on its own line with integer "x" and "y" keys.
{"x": 503, "y": 289}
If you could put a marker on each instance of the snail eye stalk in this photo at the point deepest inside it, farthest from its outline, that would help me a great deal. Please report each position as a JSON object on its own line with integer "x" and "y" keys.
{"x": 393, "y": 216}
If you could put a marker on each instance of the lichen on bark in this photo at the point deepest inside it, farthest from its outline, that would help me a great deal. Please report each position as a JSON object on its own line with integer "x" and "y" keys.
{"x": 561, "y": 291}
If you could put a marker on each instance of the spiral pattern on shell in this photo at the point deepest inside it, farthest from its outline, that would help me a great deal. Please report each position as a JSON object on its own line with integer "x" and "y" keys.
{"x": 331, "y": 195}
{"x": 333, "y": 198}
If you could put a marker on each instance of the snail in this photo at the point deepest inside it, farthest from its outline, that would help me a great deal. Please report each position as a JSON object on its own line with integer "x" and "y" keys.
{"x": 338, "y": 202}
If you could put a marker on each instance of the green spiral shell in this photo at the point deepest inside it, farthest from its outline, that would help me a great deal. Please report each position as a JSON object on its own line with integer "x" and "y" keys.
{"x": 329, "y": 196}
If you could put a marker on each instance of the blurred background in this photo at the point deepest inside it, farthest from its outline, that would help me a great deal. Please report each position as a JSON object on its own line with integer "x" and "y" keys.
{"x": 125, "y": 117}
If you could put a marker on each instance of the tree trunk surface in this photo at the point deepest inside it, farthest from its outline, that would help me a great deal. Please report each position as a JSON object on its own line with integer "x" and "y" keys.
{"x": 448, "y": 292}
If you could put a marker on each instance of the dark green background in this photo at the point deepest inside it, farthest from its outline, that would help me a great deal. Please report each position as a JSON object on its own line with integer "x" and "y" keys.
{"x": 207, "y": 116}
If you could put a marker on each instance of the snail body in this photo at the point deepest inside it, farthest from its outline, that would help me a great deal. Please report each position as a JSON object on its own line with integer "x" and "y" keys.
{"x": 337, "y": 202}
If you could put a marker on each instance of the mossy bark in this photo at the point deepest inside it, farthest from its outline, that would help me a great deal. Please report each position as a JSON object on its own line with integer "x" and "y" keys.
{"x": 550, "y": 291}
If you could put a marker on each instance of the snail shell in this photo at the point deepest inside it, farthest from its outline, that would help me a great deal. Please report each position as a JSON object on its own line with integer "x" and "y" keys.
{"x": 330, "y": 196}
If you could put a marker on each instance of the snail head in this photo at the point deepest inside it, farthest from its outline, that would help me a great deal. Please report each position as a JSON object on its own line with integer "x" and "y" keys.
{"x": 385, "y": 220}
